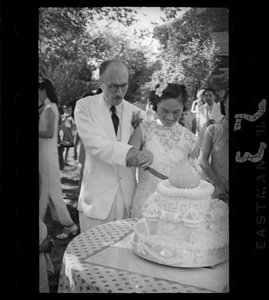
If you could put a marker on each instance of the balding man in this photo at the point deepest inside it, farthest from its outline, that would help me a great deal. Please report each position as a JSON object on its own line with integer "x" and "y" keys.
{"x": 104, "y": 126}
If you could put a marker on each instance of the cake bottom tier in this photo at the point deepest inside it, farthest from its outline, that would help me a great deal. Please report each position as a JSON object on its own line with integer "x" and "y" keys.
{"x": 176, "y": 253}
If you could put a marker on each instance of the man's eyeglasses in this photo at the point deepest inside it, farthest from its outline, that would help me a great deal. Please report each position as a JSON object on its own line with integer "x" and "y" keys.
{"x": 114, "y": 88}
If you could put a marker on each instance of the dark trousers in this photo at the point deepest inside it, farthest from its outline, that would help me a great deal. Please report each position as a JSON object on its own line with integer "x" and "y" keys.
{"x": 61, "y": 158}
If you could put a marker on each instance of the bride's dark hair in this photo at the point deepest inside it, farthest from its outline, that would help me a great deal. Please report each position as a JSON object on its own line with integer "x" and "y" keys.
{"x": 173, "y": 90}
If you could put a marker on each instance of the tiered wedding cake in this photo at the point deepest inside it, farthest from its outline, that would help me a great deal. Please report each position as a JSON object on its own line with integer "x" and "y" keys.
{"x": 182, "y": 225}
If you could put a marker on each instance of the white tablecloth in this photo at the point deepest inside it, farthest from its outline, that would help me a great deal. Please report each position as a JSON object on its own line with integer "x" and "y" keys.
{"x": 101, "y": 260}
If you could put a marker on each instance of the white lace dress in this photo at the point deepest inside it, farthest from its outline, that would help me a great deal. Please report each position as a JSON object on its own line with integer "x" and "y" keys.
{"x": 166, "y": 144}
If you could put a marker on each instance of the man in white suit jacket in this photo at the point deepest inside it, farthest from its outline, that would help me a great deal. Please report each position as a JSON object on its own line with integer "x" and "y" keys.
{"x": 109, "y": 180}
{"x": 208, "y": 113}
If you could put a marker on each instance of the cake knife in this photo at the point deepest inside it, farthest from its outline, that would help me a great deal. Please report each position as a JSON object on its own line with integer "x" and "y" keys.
{"x": 156, "y": 173}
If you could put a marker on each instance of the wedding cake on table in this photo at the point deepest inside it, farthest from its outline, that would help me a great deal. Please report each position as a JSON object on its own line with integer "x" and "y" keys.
{"x": 181, "y": 225}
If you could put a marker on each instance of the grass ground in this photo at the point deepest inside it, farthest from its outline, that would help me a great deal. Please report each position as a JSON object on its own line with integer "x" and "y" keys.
{"x": 70, "y": 180}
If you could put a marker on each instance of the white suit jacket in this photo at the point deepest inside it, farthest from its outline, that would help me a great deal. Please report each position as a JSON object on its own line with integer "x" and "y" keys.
{"x": 105, "y": 170}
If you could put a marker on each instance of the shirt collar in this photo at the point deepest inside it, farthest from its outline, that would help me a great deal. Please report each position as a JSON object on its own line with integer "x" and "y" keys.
{"x": 209, "y": 105}
{"x": 118, "y": 107}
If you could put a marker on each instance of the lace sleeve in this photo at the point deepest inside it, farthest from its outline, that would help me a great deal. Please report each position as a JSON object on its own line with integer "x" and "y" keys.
{"x": 191, "y": 139}
{"x": 144, "y": 128}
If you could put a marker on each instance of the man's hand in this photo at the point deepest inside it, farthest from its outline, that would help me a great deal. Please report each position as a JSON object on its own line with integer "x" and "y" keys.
{"x": 136, "y": 158}
{"x": 131, "y": 157}
{"x": 144, "y": 159}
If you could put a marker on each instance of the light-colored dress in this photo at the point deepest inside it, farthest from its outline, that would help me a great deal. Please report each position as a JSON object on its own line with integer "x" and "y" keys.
{"x": 45, "y": 263}
{"x": 219, "y": 133}
{"x": 205, "y": 113}
{"x": 49, "y": 170}
{"x": 166, "y": 144}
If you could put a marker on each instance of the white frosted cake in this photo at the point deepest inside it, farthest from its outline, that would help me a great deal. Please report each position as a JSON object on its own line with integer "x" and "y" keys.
{"x": 181, "y": 225}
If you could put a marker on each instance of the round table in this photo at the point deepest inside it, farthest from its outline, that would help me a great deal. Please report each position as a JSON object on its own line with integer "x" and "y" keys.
{"x": 101, "y": 260}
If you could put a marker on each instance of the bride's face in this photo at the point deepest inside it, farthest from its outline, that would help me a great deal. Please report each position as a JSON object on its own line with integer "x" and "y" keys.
{"x": 169, "y": 111}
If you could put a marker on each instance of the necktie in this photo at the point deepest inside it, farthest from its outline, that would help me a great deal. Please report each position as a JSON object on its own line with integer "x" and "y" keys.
{"x": 209, "y": 109}
{"x": 115, "y": 118}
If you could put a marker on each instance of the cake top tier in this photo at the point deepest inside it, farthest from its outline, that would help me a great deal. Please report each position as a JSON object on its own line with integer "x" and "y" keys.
{"x": 184, "y": 175}
{"x": 202, "y": 191}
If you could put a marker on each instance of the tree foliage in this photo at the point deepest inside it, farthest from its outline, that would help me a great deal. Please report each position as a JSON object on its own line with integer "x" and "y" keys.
{"x": 71, "y": 46}
{"x": 188, "y": 54}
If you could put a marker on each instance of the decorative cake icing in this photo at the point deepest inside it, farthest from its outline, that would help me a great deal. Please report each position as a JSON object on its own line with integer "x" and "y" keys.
{"x": 181, "y": 225}
{"x": 184, "y": 176}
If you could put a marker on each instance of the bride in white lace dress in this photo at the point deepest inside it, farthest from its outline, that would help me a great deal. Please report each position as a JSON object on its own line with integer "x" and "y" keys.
{"x": 164, "y": 137}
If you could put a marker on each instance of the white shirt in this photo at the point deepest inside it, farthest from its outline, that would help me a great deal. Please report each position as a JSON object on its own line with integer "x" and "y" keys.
{"x": 214, "y": 113}
{"x": 118, "y": 111}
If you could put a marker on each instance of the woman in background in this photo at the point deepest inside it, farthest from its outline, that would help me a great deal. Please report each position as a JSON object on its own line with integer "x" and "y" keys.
{"x": 51, "y": 192}
{"x": 69, "y": 128}
{"x": 215, "y": 148}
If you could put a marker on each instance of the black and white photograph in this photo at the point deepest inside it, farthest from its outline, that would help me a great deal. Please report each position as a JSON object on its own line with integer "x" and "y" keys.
{"x": 134, "y": 172}
{"x": 133, "y": 149}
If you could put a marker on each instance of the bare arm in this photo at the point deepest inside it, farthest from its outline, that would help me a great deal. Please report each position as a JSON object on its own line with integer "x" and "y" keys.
{"x": 204, "y": 156}
{"x": 206, "y": 167}
{"x": 73, "y": 124}
{"x": 49, "y": 132}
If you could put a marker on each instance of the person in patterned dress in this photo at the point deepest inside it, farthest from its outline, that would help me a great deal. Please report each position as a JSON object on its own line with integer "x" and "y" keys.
{"x": 168, "y": 140}
{"x": 214, "y": 154}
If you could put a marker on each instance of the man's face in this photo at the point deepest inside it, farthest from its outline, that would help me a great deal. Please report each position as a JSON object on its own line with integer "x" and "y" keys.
{"x": 209, "y": 97}
{"x": 115, "y": 74}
